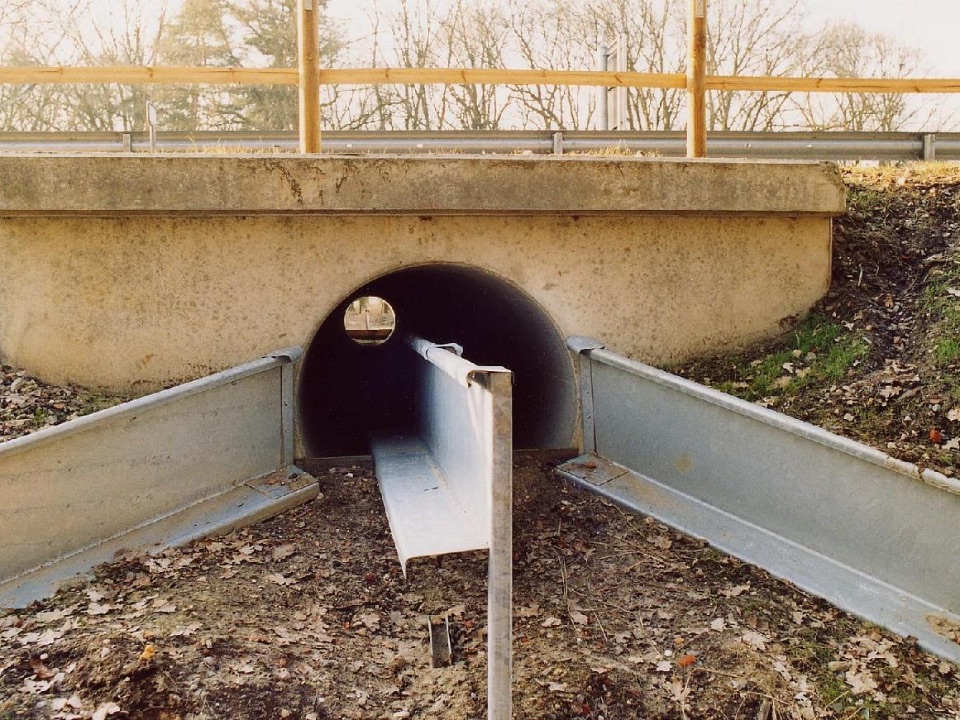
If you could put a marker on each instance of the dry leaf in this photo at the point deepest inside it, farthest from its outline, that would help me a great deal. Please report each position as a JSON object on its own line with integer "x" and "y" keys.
{"x": 103, "y": 711}
{"x": 550, "y": 622}
{"x": 40, "y": 670}
{"x": 860, "y": 682}
{"x": 578, "y": 617}
{"x": 457, "y": 610}
{"x": 186, "y": 631}
{"x": 55, "y": 615}
{"x": 718, "y": 625}
{"x": 661, "y": 541}
{"x": 281, "y": 580}
{"x": 755, "y": 639}
{"x": 664, "y": 666}
{"x": 283, "y": 551}
{"x": 679, "y": 690}
{"x": 41, "y": 639}
{"x": 735, "y": 591}
{"x": 370, "y": 620}
{"x": 530, "y": 611}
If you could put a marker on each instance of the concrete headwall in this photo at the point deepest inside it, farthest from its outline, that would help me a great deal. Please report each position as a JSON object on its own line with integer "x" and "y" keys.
{"x": 122, "y": 272}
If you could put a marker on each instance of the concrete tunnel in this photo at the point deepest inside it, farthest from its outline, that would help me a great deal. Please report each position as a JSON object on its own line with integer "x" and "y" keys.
{"x": 348, "y": 389}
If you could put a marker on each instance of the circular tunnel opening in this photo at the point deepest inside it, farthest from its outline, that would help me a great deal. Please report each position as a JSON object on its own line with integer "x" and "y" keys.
{"x": 350, "y": 388}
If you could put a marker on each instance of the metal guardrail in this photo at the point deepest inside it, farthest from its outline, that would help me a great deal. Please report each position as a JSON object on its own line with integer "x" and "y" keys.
{"x": 447, "y": 485}
{"x": 874, "y": 535}
{"x": 160, "y": 470}
{"x": 845, "y": 146}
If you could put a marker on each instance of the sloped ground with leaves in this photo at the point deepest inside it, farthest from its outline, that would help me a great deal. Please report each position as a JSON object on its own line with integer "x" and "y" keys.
{"x": 878, "y": 360}
{"x": 617, "y": 616}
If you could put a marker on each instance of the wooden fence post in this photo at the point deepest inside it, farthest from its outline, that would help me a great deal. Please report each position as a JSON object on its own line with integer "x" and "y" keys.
{"x": 696, "y": 79}
{"x": 308, "y": 56}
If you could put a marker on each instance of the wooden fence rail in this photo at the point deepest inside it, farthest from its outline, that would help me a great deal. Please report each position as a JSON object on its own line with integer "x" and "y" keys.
{"x": 172, "y": 75}
{"x": 309, "y": 77}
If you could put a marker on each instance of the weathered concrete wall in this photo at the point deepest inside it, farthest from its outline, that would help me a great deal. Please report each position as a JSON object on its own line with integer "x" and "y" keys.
{"x": 120, "y": 271}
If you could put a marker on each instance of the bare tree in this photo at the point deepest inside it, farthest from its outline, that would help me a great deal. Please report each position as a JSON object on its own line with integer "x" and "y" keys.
{"x": 133, "y": 41}
{"x": 414, "y": 43}
{"x": 656, "y": 43}
{"x": 41, "y": 33}
{"x": 847, "y": 50}
{"x": 750, "y": 38}
{"x": 553, "y": 35}
{"x": 475, "y": 35}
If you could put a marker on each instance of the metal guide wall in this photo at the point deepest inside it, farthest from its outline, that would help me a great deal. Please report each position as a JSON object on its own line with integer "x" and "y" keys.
{"x": 73, "y": 486}
{"x": 874, "y": 535}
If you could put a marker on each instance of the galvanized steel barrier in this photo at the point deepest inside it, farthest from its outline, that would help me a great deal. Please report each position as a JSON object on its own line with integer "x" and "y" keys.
{"x": 874, "y": 535}
{"x": 447, "y": 485}
{"x": 786, "y": 145}
{"x": 163, "y": 469}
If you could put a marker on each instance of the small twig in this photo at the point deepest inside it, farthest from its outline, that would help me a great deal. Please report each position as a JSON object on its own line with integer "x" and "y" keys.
{"x": 563, "y": 579}
{"x": 596, "y": 614}
{"x": 686, "y": 694}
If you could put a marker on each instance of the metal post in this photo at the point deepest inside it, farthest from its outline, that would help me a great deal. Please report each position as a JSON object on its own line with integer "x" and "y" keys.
{"x": 581, "y": 347}
{"x": 621, "y": 91}
{"x": 603, "y": 119}
{"x": 696, "y": 79}
{"x": 152, "y": 125}
{"x": 308, "y": 53}
{"x": 500, "y": 568}
{"x": 929, "y": 147}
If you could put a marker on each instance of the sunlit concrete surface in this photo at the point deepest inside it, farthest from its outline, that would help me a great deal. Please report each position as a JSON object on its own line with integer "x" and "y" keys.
{"x": 136, "y": 272}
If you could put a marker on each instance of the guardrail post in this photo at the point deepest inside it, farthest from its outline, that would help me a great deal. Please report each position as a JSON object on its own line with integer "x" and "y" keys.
{"x": 697, "y": 79}
{"x": 308, "y": 57}
{"x": 500, "y": 567}
{"x": 929, "y": 147}
{"x": 581, "y": 347}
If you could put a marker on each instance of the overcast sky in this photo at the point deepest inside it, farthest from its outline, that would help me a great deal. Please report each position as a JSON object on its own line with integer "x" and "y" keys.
{"x": 932, "y": 26}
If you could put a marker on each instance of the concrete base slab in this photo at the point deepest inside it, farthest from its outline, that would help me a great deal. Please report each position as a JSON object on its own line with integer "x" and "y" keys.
{"x": 246, "y": 504}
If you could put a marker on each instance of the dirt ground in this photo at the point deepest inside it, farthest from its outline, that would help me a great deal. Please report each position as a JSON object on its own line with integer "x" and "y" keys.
{"x": 616, "y": 616}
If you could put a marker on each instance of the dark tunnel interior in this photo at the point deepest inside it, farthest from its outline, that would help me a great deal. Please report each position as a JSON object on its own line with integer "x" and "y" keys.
{"x": 348, "y": 389}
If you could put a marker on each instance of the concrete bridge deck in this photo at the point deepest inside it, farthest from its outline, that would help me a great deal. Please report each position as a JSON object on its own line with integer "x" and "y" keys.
{"x": 135, "y": 272}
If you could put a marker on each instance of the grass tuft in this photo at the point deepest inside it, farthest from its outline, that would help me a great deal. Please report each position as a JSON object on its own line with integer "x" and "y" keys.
{"x": 817, "y": 350}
